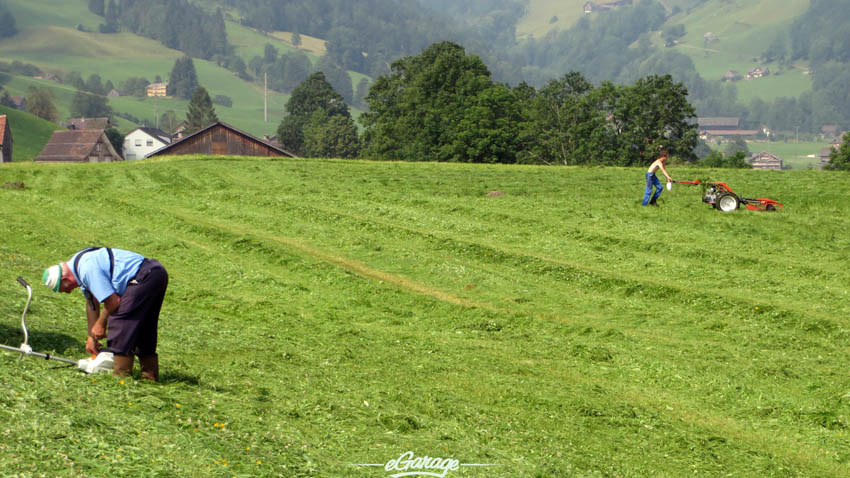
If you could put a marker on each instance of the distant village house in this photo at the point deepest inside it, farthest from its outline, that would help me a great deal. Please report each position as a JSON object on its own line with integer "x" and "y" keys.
{"x": 156, "y": 89}
{"x": 78, "y": 146}
{"x": 143, "y": 141}
{"x": 757, "y": 72}
{"x": 765, "y": 160}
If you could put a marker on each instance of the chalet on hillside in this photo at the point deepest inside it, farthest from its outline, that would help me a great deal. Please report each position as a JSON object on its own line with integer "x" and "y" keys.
{"x": 590, "y": 7}
{"x": 113, "y": 93}
{"x": 78, "y": 146}
{"x": 757, "y": 72}
{"x": 221, "y": 139}
{"x": 5, "y": 140}
{"x": 765, "y": 160}
{"x": 87, "y": 123}
{"x": 156, "y": 89}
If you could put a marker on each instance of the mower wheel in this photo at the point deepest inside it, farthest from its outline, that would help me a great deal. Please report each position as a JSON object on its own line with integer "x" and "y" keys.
{"x": 770, "y": 207}
{"x": 728, "y": 202}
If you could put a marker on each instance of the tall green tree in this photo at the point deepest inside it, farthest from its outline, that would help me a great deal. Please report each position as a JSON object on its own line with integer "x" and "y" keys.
{"x": 652, "y": 114}
{"x": 839, "y": 160}
{"x": 201, "y": 111}
{"x": 8, "y": 25}
{"x": 331, "y": 137}
{"x": 183, "y": 80}
{"x": 88, "y": 105}
{"x": 441, "y": 105}
{"x": 116, "y": 139}
{"x": 98, "y": 7}
{"x": 564, "y": 123}
{"x": 313, "y": 94}
{"x": 42, "y": 103}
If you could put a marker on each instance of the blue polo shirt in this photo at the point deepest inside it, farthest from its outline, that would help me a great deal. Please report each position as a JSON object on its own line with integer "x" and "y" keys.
{"x": 94, "y": 272}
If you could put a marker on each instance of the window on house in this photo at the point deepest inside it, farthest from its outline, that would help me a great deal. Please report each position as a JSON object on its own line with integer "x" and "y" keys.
{"x": 98, "y": 147}
{"x": 150, "y": 142}
{"x": 138, "y": 142}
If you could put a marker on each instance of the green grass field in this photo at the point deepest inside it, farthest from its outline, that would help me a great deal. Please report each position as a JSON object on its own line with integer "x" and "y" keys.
{"x": 327, "y": 313}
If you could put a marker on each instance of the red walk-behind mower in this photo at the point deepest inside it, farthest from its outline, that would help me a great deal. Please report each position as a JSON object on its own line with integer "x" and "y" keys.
{"x": 723, "y": 198}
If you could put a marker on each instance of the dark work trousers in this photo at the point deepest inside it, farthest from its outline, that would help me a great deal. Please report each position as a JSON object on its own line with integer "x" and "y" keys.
{"x": 133, "y": 327}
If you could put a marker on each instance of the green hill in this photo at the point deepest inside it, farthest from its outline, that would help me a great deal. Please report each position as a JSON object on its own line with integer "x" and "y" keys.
{"x": 49, "y": 39}
{"x": 324, "y": 314}
{"x": 29, "y": 133}
{"x": 743, "y": 29}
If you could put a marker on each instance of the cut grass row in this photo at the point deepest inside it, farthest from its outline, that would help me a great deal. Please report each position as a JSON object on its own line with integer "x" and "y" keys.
{"x": 331, "y": 312}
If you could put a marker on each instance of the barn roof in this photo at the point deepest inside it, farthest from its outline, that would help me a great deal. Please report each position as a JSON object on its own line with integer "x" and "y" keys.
{"x": 166, "y": 149}
{"x": 715, "y": 122}
{"x": 74, "y": 145}
{"x": 88, "y": 123}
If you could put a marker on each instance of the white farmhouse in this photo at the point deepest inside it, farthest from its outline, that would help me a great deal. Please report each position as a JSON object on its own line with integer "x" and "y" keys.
{"x": 143, "y": 141}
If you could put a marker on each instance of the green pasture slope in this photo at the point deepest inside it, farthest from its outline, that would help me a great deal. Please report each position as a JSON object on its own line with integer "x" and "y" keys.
{"x": 29, "y": 133}
{"x": 328, "y": 313}
{"x": 49, "y": 39}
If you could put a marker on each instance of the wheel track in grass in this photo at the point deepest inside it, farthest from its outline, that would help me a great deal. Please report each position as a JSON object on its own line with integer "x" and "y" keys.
{"x": 803, "y": 309}
{"x": 663, "y": 290}
{"x": 593, "y": 277}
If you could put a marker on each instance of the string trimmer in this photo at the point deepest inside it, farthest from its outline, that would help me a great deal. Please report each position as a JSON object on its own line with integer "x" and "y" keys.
{"x": 723, "y": 198}
{"x": 101, "y": 362}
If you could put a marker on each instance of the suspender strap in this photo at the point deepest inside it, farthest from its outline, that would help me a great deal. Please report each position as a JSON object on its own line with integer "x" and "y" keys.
{"x": 77, "y": 269}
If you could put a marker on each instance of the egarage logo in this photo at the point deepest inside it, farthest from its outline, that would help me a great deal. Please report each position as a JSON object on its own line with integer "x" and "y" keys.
{"x": 408, "y": 464}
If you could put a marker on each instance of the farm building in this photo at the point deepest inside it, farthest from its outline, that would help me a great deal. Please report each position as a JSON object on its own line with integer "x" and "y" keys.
{"x": 78, "y": 146}
{"x": 143, "y": 141}
{"x": 765, "y": 160}
{"x": 221, "y": 139}
{"x": 87, "y": 123}
{"x": 5, "y": 140}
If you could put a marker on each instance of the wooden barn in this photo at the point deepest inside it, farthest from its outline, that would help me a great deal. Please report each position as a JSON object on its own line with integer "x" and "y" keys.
{"x": 5, "y": 140}
{"x": 78, "y": 146}
{"x": 221, "y": 139}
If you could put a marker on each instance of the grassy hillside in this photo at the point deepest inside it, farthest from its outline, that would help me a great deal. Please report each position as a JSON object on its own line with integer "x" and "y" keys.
{"x": 326, "y": 313}
{"x": 744, "y": 29}
{"x": 51, "y": 41}
{"x": 29, "y": 133}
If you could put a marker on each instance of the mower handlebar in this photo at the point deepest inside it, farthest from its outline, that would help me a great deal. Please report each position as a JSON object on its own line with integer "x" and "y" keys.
{"x": 23, "y": 282}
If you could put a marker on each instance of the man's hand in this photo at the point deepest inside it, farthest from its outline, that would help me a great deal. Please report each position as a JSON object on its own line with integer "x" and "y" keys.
{"x": 98, "y": 331}
{"x": 92, "y": 346}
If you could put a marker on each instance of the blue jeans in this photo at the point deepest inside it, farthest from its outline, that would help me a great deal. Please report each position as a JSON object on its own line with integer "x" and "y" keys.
{"x": 651, "y": 180}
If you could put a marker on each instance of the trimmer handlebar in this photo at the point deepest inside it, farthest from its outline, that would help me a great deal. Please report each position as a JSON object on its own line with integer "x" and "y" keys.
{"x": 23, "y": 282}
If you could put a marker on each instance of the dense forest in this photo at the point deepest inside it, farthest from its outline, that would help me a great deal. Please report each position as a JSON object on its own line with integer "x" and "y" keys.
{"x": 176, "y": 24}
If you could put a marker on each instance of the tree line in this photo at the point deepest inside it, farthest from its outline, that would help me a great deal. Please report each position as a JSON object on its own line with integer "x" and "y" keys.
{"x": 443, "y": 105}
{"x": 177, "y": 24}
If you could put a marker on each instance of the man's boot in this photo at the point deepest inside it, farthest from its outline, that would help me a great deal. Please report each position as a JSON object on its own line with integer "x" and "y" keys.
{"x": 122, "y": 365}
{"x": 150, "y": 367}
